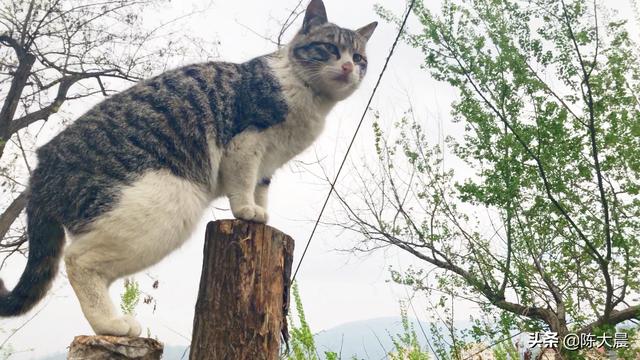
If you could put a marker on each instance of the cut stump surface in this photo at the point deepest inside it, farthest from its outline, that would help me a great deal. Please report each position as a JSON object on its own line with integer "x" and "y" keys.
{"x": 102, "y": 347}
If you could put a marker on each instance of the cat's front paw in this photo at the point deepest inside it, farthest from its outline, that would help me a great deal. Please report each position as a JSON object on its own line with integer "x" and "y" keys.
{"x": 251, "y": 213}
{"x": 122, "y": 326}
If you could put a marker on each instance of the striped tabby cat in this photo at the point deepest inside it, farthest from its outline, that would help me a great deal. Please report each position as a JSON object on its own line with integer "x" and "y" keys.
{"x": 128, "y": 181}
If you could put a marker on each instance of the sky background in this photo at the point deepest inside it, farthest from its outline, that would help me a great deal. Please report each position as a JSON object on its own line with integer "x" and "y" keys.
{"x": 336, "y": 286}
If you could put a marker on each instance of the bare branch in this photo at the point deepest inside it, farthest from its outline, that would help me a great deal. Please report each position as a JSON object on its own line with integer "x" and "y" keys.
{"x": 9, "y": 41}
{"x": 293, "y": 16}
{"x": 45, "y": 112}
{"x": 595, "y": 154}
{"x": 12, "y": 212}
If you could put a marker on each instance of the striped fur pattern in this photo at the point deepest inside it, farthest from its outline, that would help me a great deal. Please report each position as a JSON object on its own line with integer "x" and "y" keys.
{"x": 128, "y": 181}
{"x": 160, "y": 123}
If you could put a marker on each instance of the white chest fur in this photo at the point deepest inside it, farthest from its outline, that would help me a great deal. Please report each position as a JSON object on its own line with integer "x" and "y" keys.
{"x": 256, "y": 154}
{"x": 305, "y": 119}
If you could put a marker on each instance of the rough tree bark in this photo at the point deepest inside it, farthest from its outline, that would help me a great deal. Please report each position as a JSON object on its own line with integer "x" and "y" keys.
{"x": 244, "y": 292}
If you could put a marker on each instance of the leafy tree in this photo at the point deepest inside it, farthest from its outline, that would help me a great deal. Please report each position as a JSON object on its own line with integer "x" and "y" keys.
{"x": 55, "y": 52}
{"x": 536, "y": 217}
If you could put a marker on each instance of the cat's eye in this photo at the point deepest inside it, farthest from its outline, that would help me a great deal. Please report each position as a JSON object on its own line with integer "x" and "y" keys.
{"x": 358, "y": 58}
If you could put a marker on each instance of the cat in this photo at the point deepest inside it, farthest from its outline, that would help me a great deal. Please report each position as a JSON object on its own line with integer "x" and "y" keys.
{"x": 128, "y": 181}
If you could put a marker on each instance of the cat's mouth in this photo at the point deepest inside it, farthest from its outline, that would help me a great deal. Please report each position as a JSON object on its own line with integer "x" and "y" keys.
{"x": 343, "y": 78}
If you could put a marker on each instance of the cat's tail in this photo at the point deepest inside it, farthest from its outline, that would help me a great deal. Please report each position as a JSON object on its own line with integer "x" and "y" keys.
{"x": 46, "y": 241}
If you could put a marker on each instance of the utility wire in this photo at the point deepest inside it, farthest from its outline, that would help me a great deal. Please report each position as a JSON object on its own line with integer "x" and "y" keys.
{"x": 344, "y": 159}
{"x": 424, "y": 333}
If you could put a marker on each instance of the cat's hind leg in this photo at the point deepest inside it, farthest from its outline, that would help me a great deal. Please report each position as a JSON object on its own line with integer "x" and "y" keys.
{"x": 153, "y": 216}
{"x": 90, "y": 280}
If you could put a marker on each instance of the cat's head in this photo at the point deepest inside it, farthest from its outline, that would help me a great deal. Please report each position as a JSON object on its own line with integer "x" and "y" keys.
{"x": 330, "y": 59}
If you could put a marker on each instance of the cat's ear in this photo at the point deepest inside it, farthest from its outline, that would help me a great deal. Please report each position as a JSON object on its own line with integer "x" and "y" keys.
{"x": 367, "y": 30}
{"x": 315, "y": 15}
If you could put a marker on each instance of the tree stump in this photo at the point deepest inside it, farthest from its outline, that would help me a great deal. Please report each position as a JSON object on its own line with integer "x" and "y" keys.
{"x": 103, "y": 347}
{"x": 244, "y": 292}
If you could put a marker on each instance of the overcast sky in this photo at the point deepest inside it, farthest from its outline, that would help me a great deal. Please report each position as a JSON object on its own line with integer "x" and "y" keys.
{"x": 336, "y": 286}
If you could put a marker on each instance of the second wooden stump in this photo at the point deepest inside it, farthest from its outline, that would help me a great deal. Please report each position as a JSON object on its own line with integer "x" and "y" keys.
{"x": 244, "y": 292}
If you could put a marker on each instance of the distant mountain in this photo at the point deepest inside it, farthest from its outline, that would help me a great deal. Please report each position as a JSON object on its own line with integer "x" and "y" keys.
{"x": 56, "y": 356}
{"x": 366, "y": 339}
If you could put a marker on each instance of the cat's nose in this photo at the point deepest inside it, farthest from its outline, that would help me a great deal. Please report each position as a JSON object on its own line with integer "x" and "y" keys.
{"x": 347, "y": 67}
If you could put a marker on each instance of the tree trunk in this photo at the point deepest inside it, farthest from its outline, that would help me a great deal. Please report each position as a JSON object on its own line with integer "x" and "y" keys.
{"x": 12, "y": 98}
{"x": 244, "y": 292}
{"x": 103, "y": 347}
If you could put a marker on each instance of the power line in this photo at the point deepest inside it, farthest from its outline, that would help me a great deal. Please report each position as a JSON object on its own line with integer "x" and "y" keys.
{"x": 344, "y": 159}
